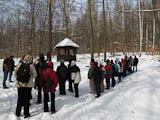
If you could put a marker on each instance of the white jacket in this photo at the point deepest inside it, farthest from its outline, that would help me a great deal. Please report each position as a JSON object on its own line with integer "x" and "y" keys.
{"x": 76, "y": 77}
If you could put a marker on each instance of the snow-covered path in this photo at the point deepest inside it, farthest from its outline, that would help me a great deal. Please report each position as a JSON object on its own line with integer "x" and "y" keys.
{"x": 137, "y": 97}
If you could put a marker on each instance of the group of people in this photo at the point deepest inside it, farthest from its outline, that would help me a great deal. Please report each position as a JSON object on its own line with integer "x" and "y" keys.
{"x": 98, "y": 73}
{"x": 46, "y": 79}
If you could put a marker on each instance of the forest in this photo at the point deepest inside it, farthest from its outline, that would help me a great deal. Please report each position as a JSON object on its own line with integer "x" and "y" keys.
{"x": 97, "y": 26}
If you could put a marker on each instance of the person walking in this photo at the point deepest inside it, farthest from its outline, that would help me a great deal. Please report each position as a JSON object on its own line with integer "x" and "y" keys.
{"x": 108, "y": 69}
{"x": 90, "y": 76}
{"x": 6, "y": 70}
{"x": 135, "y": 63}
{"x": 62, "y": 76}
{"x": 114, "y": 72}
{"x": 97, "y": 78}
{"x": 69, "y": 76}
{"x": 120, "y": 71}
{"x": 48, "y": 82}
{"x": 124, "y": 67}
{"x": 24, "y": 72}
{"x": 12, "y": 68}
{"x": 40, "y": 66}
{"x": 129, "y": 66}
{"x": 76, "y": 77}
{"x": 103, "y": 74}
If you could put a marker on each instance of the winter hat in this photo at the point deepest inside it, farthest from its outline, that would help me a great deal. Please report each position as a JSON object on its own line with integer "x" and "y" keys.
{"x": 50, "y": 64}
{"x": 92, "y": 60}
{"x": 95, "y": 63}
{"x": 27, "y": 59}
{"x": 73, "y": 63}
{"x": 23, "y": 57}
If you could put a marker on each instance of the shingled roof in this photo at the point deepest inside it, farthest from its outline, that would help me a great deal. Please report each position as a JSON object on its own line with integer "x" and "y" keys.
{"x": 66, "y": 43}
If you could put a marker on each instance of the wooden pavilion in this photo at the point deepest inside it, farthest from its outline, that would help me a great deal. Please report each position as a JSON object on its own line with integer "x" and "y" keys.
{"x": 66, "y": 50}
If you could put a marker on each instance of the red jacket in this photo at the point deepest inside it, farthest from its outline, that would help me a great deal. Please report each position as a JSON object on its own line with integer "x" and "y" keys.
{"x": 53, "y": 77}
{"x": 107, "y": 68}
{"x": 123, "y": 63}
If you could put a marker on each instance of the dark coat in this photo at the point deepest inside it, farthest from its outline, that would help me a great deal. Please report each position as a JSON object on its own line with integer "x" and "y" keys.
{"x": 90, "y": 72}
{"x": 62, "y": 72}
{"x": 6, "y": 65}
{"x": 135, "y": 62}
{"x": 97, "y": 76}
{"x": 69, "y": 72}
{"x": 53, "y": 77}
{"x": 75, "y": 68}
{"x": 12, "y": 64}
{"x": 39, "y": 68}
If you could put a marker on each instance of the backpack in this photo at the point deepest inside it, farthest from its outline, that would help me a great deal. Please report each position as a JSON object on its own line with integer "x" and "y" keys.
{"x": 110, "y": 71}
{"x": 113, "y": 68}
{"x": 48, "y": 83}
{"x": 103, "y": 72}
{"x": 23, "y": 73}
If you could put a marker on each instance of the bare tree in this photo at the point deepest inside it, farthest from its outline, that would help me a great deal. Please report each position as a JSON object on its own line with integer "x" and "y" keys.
{"x": 50, "y": 30}
{"x": 91, "y": 29}
{"x": 104, "y": 28}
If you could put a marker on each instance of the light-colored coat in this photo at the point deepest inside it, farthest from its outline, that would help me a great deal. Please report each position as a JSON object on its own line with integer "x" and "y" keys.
{"x": 120, "y": 69}
{"x": 33, "y": 73}
{"x": 76, "y": 77}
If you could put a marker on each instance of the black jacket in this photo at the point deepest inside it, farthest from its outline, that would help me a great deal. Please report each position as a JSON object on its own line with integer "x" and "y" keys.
{"x": 74, "y": 68}
{"x": 135, "y": 61}
{"x": 97, "y": 76}
{"x": 39, "y": 68}
{"x": 7, "y": 65}
{"x": 12, "y": 64}
{"x": 62, "y": 72}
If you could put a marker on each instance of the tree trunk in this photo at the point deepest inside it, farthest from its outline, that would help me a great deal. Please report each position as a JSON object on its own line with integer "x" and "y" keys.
{"x": 32, "y": 32}
{"x": 19, "y": 34}
{"x": 157, "y": 20}
{"x": 147, "y": 38}
{"x": 154, "y": 34}
{"x": 91, "y": 29}
{"x": 66, "y": 19}
{"x": 104, "y": 29}
{"x": 43, "y": 32}
{"x": 141, "y": 27}
{"x": 50, "y": 31}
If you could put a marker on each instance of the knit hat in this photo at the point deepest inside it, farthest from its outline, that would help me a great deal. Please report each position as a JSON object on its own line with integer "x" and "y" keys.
{"x": 73, "y": 63}
{"x": 27, "y": 59}
{"x": 23, "y": 57}
{"x": 95, "y": 63}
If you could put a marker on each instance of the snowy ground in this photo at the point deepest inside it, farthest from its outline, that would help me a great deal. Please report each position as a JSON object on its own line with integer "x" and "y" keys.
{"x": 137, "y": 97}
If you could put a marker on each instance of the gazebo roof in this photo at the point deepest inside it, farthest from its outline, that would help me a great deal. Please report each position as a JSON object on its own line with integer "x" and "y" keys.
{"x": 66, "y": 43}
